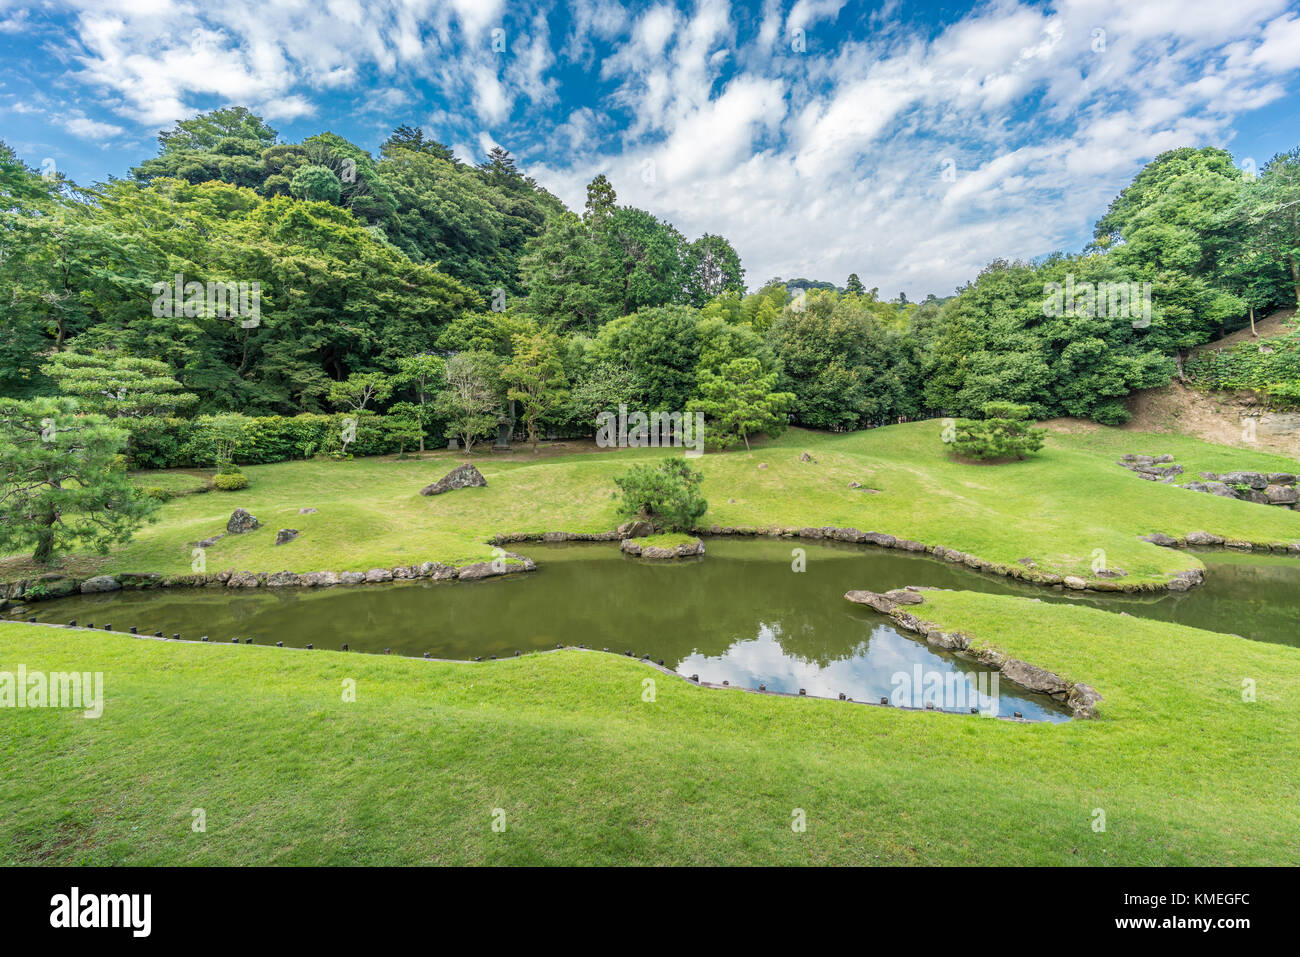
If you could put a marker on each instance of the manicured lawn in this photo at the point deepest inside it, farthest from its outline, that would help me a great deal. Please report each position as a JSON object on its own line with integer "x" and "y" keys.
{"x": 588, "y": 772}
{"x": 1057, "y": 508}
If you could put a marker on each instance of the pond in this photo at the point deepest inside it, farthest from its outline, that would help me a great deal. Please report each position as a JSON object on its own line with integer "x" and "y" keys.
{"x": 741, "y": 615}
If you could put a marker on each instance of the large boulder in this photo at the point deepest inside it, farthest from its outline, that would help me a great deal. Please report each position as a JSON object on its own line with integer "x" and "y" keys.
{"x": 636, "y": 529}
{"x": 283, "y": 579}
{"x": 462, "y": 476}
{"x": 1256, "y": 480}
{"x": 1282, "y": 494}
{"x": 1281, "y": 478}
{"x": 100, "y": 583}
{"x": 1203, "y": 538}
{"x": 241, "y": 521}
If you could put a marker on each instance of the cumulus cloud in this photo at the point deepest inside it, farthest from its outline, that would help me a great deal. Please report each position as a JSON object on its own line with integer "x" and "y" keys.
{"x": 908, "y": 154}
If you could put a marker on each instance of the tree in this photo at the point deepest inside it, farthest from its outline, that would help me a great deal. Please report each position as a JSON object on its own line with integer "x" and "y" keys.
{"x": 601, "y": 199}
{"x": 405, "y": 423}
{"x": 469, "y": 405}
{"x": 1270, "y": 212}
{"x": 420, "y": 373}
{"x": 667, "y": 494}
{"x": 220, "y": 437}
{"x": 412, "y": 138}
{"x": 845, "y": 369}
{"x": 319, "y": 183}
{"x": 118, "y": 386}
{"x": 536, "y": 380}
{"x": 854, "y": 285}
{"x": 225, "y": 145}
{"x": 1004, "y": 433}
{"x": 661, "y": 348}
{"x": 712, "y": 267}
{"x": 59, "y": 484}
{"x": 360, "y": 389}
{"x": 741, "y": 401}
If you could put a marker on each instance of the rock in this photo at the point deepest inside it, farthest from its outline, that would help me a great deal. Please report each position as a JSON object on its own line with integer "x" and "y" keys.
{"x": 242, "y": 580}
{"x": 879, "y": 538}
{"x": 1281, "y": 478}
{"x": 1160, "y": 459}
{"x": 241, "y": 521}
{"x": 480, "y": 570}
{"x": 880, "y": 603}
{"x": 100, "y": 583}
{"x": 1112, "y": 573}
{"x": 1281, "y": 495}
{"x": 1256, "y": 480}
{"x": 379, "y": 575}
{"x": 1161, "y": 539}
{"x": 805, "y": 457}
{"x": 855, "y": 485}
{"x": 1083, "y": 700}
{"x": 1074, "y": 582}
{"x": 1209, "y": 476}
{"x": 285, "y": 535}
{"x": 306, "y": 511}
{"x": 1027, "y": 562}
{"x": 1222, "y": 489}
{"x": 635, "y": 529}
{"x": 762, "y": 465}
{"x": 209, "y": 542}
{"x": 1203, "y": 538}
{"x": 904, "y": 596}
{"x": 810, "y": 533}
{"x": 1034, "y": 678}
{"x": 352, "y": 578}
{"x": 462, "y": 476}
{"x": 405, "y": 572}
{"x": 282, "y": 580}
{"x": 320, "y": 579}
{"x": 687, "y": 549}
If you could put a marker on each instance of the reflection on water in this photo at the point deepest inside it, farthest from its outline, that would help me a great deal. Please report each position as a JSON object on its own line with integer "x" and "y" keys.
{"x": 740, "y": 615}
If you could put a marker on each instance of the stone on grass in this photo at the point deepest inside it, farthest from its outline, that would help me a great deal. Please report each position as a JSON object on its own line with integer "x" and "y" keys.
{"x": 241, "y": 521}
{"x": 462, "y": 476}
{"x": 285, "y": 535}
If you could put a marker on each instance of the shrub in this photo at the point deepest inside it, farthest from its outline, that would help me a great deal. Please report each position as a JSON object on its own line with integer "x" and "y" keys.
{"x": 668, "y": 494}
{"x": 1003, "y": 434}
{"x": 230, "y": 481}
{"x": 157, "y": 493}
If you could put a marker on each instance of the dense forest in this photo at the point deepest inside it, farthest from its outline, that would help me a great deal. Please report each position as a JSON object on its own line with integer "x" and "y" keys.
{"x": 291, "y": 282}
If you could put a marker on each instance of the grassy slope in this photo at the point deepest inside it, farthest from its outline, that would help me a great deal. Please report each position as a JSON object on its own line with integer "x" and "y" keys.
{"x": 1056, "y": 508}
{"x": 589, "y": 773}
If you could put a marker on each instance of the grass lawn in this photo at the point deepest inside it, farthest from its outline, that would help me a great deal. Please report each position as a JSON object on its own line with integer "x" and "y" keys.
{"x": 1056, "y": 508}
{"x": 588, "y": 772}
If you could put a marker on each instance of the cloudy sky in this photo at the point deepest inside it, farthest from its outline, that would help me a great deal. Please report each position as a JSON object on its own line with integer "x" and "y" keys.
{"x": 910, "y": 143}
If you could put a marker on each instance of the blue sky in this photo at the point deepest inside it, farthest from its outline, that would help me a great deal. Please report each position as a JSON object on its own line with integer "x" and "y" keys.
{"x": 910, "y": 143}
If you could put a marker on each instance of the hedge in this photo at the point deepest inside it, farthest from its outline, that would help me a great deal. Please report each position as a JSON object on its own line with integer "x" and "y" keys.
{"x": 180, "y": 443}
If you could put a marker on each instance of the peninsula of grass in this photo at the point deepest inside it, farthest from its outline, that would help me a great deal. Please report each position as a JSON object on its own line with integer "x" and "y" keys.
{"x": 1057, "y": 508}
{"x": 586, "y": 771}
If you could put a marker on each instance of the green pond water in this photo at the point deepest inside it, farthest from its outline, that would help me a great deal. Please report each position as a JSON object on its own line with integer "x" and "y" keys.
{"x": 741, "y": 614}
